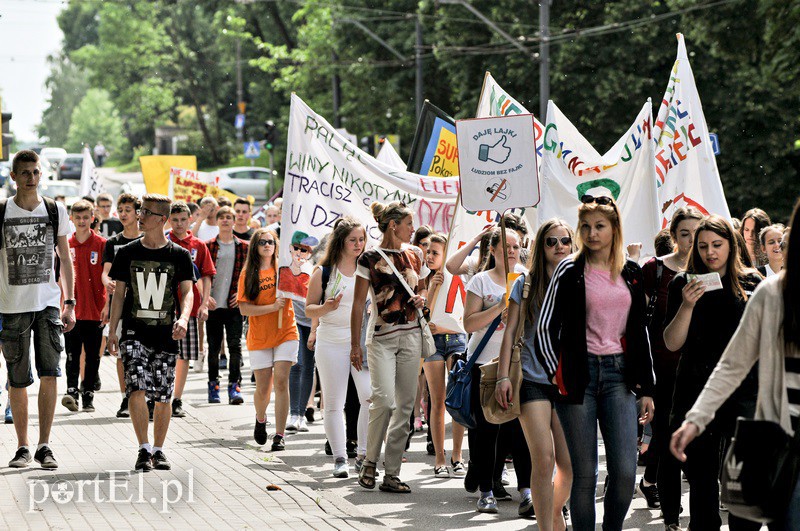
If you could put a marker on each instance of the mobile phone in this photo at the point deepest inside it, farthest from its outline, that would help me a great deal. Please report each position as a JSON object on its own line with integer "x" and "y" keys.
{"x": 711, "y": 281}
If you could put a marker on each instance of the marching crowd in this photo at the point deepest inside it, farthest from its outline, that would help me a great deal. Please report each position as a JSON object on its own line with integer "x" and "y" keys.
{"x": 678, "y": 347}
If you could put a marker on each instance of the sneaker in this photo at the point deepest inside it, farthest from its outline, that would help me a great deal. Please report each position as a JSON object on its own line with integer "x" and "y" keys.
{"x": 487, "y": 504}
{"x": 144, "y": 461}
{"x": 278, "y": 444}
{"x": 88, "y": 401}
{"x": 340, "y": 468}
{"x": 500, "y": 492}
{"x": 177, "y": 408}
{"x": 21, "y": 459}
{"x": 9, "y": 415}
{"x": 122, "y": 412}
{"x": 151, "y": 407}
{"x": 260, "y": 432}
{"x": 352, "y": 448}
{"x": 458, "y": 468}
{"x": 235, "y": 394}
{"x": 430, "y": 448}
{"x": 328, "y": 450}
{"x": 44, "y": 456}
{"x": 223, "y": 363}
{"x": 441, "y": 472}
{"x": 70, "y": 400}
{"x": 471, "y": 482}
{"x": 294, "y": 421}
{"x": 504, "y": 476}
{"x": 198, "y": 363}
{"x": 650, "y": 494}
{"x": 526, "y": 507}
{"x": 213, "y": 392}
{"x": 160, "y": 461}
{"x": 310, "y": 414}
{"x": 301, "y": 426}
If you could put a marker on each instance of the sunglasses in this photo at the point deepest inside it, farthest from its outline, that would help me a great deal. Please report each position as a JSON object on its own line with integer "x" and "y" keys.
{"x": 264, "y": 243}
{"x": 552, "y": 241}
{"x": 148, "y": 212}
{"x": 301, "y": 249}
{"x": 601, "y": 200}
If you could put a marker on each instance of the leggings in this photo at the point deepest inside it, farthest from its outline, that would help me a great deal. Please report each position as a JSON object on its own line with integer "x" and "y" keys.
{"x": 87, "y": 335}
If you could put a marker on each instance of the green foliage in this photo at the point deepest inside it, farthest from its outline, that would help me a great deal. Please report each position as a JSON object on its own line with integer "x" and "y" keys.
{"x": 67, "y": 85}
{"x": 96, "y": 120}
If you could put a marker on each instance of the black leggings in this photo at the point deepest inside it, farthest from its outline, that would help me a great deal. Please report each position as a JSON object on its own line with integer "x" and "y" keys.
{"x": 87, "y": 335}
{"x": 489, "y": 444}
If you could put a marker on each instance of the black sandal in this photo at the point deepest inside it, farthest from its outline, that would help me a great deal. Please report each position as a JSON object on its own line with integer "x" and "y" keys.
{"x": 366, "y": 476}
{"x": 393, "y": 484}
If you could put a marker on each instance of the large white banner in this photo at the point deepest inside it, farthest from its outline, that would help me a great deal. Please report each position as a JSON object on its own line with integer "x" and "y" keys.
{"x": 684, "y": 158}
{"x": 572, "y": 168}
{"x": 389, "y": 156}
{"x": 497, "y": 164}
{"x": 328, "y": 177}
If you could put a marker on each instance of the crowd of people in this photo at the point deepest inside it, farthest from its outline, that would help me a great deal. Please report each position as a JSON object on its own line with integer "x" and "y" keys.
{"x": 669, "y": 347}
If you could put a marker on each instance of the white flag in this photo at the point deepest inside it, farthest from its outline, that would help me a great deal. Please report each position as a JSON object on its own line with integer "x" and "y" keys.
{"x": 684, "y": 158}
{"x": 388, "y": 155}
{"x": 91, "y": 180}
{"x": 572, "y": 168}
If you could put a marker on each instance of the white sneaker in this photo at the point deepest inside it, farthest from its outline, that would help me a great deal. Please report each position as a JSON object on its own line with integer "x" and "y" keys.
{"x": 293, "y": 423}
{"x": 504, "y": 476}
{"x": 198, "y": 363}
{"x": 301, "y": 424}
{"x": 340, "y": 468}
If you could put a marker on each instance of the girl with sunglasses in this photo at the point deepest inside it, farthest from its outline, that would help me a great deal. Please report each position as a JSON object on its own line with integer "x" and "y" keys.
{"x": 489, "y": 444}
{"x": 699, "y": 324}
{"x": 592, "y": 342}
{"x": 273, "y": 349}
{"x": 543, "y": 432}
{"x": 661, "y": 482}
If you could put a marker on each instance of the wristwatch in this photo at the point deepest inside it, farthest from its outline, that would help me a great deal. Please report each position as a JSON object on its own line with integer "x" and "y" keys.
{"x": 69, "y": 302}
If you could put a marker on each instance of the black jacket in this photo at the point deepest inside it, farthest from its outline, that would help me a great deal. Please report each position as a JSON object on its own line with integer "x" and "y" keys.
{"x": 561, "y": 338}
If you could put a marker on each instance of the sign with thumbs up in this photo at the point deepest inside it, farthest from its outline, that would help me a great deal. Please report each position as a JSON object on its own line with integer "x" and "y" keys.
{"x": 497, "y": 163}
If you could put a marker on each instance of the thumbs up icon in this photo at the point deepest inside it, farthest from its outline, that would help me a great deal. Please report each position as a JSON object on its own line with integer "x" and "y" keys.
{"x": 498, "y": 152}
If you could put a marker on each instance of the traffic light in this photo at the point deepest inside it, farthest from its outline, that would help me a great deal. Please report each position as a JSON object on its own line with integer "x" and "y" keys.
{"x": 5, "y": 136}
{"x": 271, "y": 136}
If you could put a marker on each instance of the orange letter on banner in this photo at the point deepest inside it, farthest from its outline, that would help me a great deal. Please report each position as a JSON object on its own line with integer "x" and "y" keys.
{"x": 456, "y": 287}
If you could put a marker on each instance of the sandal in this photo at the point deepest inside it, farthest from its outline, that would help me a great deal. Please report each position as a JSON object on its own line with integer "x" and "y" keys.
{"x": 393, "y": 484}
{"x": 366, "y": 476}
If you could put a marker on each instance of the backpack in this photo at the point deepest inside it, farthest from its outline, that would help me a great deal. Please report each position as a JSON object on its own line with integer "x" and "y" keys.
{"x": 52, "y": 213}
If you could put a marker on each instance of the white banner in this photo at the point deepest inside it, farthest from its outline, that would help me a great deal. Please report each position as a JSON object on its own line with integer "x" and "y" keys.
{"x": 388, "y": 155}
{"x": 684, "y": 158}
{"x": 328, "y": 177}
{"x": 572, "y": 168}
{"x": 497, "y": 166}
{"x": 91, "y": 181}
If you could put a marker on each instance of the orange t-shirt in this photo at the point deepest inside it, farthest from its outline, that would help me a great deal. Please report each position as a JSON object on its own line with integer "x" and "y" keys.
{"x": 263, "y": 332}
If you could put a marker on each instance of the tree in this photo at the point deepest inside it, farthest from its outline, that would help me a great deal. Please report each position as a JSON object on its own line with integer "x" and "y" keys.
{"x": 96, "y": 120}
{"x": 67, "y": 85}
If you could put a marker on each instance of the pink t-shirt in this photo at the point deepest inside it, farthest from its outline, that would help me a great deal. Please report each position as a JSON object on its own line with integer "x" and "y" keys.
{"x": 608, "y": 303}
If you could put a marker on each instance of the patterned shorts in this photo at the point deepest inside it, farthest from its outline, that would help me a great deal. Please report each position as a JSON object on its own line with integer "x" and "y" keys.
{"x": 190, "y": 345}
{"x": 148, "y": 370}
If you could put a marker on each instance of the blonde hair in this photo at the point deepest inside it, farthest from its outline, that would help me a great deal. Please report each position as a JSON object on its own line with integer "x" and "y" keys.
{"x": 611, "y": 213}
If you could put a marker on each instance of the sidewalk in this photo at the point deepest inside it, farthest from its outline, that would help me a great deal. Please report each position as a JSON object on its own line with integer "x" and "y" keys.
{"x": 218, "y": 477}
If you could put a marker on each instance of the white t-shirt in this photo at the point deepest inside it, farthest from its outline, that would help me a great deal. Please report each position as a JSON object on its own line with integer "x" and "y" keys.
{"x": 27, "y": 278}
{"x": 334, "y": 327}
{"x": 472, "y": 268}
{"x": 492, "y": 294}
{"x": 206, "y": 231}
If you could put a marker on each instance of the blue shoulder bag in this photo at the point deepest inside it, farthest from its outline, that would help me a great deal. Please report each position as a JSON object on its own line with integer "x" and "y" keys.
{"x": 459, "y": 385}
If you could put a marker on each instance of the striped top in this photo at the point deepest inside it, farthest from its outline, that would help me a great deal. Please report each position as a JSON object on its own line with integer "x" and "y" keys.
{"x": 792, "y": 379}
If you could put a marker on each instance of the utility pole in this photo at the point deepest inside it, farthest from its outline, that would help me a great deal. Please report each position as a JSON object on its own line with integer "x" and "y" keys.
{"x": 419, "y": 66}
{"x": 239, "y": 90}
{"x": 544, "y": 58}
{"x": 337, "y": 85}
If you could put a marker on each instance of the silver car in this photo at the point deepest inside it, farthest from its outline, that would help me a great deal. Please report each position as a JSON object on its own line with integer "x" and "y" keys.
{"x": 245, "y": 180}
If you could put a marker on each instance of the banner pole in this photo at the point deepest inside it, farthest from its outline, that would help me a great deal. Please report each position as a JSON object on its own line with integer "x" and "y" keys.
{"x": 503, "y": 239}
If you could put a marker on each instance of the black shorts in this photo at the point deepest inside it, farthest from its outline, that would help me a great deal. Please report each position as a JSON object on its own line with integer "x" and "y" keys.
{"x": 148, "y": 370}
{"x": 535, "y": 392}
{"x": 48, "y": 344}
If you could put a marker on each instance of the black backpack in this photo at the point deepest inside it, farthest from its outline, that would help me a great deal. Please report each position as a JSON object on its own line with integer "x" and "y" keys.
{"x": 52, "y": 213}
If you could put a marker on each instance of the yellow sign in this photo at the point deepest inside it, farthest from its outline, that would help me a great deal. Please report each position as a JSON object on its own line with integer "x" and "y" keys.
{"x": 242, "y": 107}
{"x": 156, "y": 168}
{"x": 510, "y": 279}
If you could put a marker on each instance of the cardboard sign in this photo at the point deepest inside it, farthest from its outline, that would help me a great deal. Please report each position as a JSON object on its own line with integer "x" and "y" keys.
{"x": 497, "y": 163}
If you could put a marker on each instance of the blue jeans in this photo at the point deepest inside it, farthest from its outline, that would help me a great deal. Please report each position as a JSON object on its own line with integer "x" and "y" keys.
{"x": 301, "y": 375}
{"x": 609, "y": 402}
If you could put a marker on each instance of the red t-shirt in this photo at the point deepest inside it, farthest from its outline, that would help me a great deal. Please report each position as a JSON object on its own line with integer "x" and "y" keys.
{"x": 87, "y": 262}
{"x": 201, "y": 258}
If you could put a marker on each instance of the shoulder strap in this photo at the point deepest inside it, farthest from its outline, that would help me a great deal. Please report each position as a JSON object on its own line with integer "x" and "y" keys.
{"x": 52, "y": 213}
{"x": 484, "y": 340}
{"x": 396, "y": 272}
{"x": 523, "y": 311}
{"x": 326, "y": 276}
{"x": 2, "y": 218}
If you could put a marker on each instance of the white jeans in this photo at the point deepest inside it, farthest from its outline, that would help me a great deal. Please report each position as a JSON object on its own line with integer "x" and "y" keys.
{"x": 333, "y": 364}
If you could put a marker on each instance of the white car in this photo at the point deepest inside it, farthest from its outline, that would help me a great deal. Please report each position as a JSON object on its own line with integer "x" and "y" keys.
{"x": 244, "y": 181}
{"x": 55, "y": 155}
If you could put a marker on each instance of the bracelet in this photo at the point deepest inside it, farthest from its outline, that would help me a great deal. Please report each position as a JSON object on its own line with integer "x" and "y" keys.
{"x": 503, "y": 379}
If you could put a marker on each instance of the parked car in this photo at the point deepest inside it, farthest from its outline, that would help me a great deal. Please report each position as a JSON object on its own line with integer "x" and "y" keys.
{"x": 70, "y": 190}
{"x": 55, "y": 155}
{"x": 70, "y": 167}
{"x": 244, "y": 181}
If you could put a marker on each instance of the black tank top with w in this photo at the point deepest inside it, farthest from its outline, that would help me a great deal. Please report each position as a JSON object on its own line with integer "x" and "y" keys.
{"x": 152, "y": 278}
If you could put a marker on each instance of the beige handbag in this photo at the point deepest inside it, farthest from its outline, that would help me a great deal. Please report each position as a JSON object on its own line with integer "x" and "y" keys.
{"x": 491, "y": 408}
